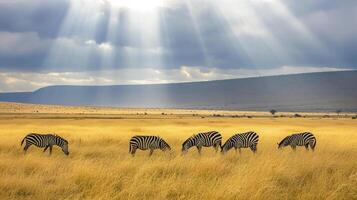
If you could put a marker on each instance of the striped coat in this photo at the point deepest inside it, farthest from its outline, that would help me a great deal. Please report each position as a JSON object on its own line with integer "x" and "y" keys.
{"x": 208, "y": 139}
{"x": 144, "y": 142}
{"x": 45, "y": 141}
{"x": 299, "y": 139}
{"x": 243, "y": 140}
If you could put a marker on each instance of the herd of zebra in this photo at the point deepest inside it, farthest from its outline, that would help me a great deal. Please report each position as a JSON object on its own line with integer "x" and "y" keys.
{"x": 207, "y": 139}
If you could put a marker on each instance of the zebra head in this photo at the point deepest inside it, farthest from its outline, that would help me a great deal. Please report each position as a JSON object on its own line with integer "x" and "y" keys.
{"x": 227, "y": 146}
{"x": 284, "y": 142}
{"x": 65, "y": 148}
{"x": 164, "y": 146}
{"x": 188, "y": 144}
{"x": 63, "y": 144}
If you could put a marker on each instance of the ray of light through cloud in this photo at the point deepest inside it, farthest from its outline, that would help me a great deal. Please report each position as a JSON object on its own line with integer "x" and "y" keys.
{"x": 159, "y": 41}
{"x": 75, "y": 40}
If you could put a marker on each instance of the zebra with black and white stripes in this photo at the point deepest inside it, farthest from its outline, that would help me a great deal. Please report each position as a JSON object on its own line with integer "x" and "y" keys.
{"x": 299, "y": 139}
{"x": 208, "y": 139}
{"x": 45, "y": 141}
{"x": 144, "y": 142}
{"x": 242, "y": 140}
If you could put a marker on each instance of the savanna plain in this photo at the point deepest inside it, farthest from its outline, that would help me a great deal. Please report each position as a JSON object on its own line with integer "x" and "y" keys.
{"x": 100, "y": 167}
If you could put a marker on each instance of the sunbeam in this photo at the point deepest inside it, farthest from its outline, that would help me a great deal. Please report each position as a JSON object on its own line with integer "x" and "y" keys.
{"x": 76, "y": 38}
{"x": 194, "y": 39}
{"x": 250, "y": 34}
{"x": 136, "y": 5}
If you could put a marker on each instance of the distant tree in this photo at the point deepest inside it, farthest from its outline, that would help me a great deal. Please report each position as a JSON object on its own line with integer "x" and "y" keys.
{"x": 297, "y": 115}
{"x": 273, "y": 111}
{"x": 338, "y": 111}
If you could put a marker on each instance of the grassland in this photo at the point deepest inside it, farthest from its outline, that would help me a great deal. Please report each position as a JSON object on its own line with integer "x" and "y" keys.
{"x": 99, "y": 166}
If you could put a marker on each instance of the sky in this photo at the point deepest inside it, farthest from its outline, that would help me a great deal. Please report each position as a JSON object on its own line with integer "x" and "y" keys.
{"x": 107, "y": 42}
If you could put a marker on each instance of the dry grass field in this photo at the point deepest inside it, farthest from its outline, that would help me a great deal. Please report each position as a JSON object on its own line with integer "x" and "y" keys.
{"x": 99, "y": 166}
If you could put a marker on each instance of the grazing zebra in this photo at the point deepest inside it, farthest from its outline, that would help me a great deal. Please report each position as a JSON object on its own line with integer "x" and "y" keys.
{"x": 299, "y": 139}
{"x": 243, "y": 140}
{"x": 200, "y": 140}
{"x": 143, "y": 142}
{"x": 45, "y": 141}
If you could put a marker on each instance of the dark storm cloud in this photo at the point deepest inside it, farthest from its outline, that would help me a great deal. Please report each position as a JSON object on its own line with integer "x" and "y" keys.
{"x": 43, "y": 17}
{"x": 208, "y": 37}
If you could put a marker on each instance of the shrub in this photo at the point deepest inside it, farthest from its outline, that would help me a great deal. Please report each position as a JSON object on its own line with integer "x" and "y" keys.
{"x": 273, "y": 111}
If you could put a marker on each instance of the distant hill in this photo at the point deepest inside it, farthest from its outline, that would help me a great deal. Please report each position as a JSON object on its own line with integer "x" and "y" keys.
{"x": 325, "y": 91}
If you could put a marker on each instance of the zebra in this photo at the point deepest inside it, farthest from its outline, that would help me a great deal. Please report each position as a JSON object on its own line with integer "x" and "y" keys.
{"x": 299, "y": 139}
{"x": 212, "y": 138}
{"x": 243, "y": 140}
{"x": 45, "y": 141}
{"x": 144, "y": 142}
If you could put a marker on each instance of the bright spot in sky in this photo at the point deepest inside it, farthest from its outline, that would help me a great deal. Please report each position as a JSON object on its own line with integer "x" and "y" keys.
{"x": 136, "y": 5}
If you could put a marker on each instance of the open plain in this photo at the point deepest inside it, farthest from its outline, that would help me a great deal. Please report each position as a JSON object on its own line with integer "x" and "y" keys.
{"x": 100, "y": 167}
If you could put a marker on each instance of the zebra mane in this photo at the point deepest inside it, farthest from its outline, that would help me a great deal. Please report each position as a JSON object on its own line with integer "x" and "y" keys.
{"x": 283, "y": 140}
{"x": 186, "y": 141}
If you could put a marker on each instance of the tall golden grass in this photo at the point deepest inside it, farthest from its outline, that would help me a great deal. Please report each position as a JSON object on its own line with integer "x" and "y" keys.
{"x": 100, "y": 167}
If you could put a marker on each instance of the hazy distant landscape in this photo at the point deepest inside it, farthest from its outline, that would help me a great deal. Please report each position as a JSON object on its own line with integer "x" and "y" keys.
{"x": 323, "y": 92}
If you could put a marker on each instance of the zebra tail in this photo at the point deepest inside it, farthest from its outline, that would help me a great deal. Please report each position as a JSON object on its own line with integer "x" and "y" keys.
{"x": 23, "y": 141}
{"x": 129, "y": 148}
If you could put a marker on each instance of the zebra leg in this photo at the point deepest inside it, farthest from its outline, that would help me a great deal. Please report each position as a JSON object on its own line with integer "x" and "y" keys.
{"x": 216, "y": 147}
{"x": 45, "y": 148}
{"x": 239, "y": 151}
{"x": 199, "y": 148}
{"x": 307, "y": 146}
{"x": 26, "y": 147}
{"x": 50, "y": 149}
{"x": 133, "y": 150}
{"x": 235, "y": 148}
{"x": 151, "y": 151}
{"x": 293, "y": 147}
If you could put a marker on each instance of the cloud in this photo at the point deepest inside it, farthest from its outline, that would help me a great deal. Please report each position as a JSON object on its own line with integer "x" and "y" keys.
{"x": 17, "y": 44}
{"x": 86, "y": 36}
{"x": 204, "y": 33}
{"x": 29, "y": 81}
{"x": 41, "y": 16}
